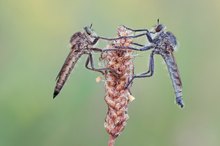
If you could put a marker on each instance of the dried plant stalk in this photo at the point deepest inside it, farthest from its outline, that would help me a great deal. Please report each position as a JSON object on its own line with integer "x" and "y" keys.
{"x": 117, "y": 97}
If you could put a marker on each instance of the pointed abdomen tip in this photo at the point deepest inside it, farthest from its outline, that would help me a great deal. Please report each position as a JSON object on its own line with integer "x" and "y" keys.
{"x": 179, "y": 101}
{"x": 181, "y": 105}
{"x": 55, "y": 93}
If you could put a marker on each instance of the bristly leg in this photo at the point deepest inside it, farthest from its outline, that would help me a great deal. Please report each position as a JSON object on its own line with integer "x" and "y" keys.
{"x": 149, "y": 73}
{"x": 148, "y": 34}
{"x": 145, "y": 48}
{"x": 122, "y": 37}
{"x": 137, "y": 44}
{"x": 135, "y": 30}
{"x": 90, "y": 61}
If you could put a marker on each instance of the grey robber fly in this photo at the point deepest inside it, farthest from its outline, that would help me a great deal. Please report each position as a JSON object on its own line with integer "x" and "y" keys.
{"x": 163, "y": 43}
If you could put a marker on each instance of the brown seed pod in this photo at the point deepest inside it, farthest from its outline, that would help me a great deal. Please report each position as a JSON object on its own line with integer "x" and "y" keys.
{"x": 117, "y": 97}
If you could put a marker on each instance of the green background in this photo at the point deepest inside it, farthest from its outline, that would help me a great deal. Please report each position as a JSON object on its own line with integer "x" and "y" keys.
{"x": 34, "y": 37}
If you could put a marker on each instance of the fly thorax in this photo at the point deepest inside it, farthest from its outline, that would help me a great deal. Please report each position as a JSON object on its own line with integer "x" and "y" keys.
{"x": 84, "y": 44}
{"x": 76, "y": 38}
{"x": 159, "y": 39}
{"x": 168, "y": 47}
{"x": 171, "y": 39}
{"x": 167, "y": 42}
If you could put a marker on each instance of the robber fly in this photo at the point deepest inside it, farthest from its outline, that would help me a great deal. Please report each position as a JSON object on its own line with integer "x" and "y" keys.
{"x": 163, "y": 43}
{"x": 81, "y": 43}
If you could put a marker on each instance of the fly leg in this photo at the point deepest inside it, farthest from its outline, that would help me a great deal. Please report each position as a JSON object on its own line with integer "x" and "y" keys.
{"x": 145, "y": 48}
{"x": 147, "y": 33}
{"x": 96, "y": 49}
{"x": 149, "y": 73}
{"x": 150, "y": 39}
{"x": 134, "y": 30}
{"x": 136, "y": 44}
{"x": 92, "y": 67}
{"x": 118, "y": 38}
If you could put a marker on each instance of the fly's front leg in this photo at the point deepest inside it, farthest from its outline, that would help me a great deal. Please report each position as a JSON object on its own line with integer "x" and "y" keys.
{"x": 123, "y": 37}
{"x": 149, "y": 73}
{"x": 147, "y": 33}
{"x": 136, "y": 44}
{"x": 134, "y": 30}
{"x": 145, "y": 48}
{"x": 150, "y": 39}
{"x": 96, "y": 49}
{"x": 89, "y": 61}
{"x": 92, "y": 67}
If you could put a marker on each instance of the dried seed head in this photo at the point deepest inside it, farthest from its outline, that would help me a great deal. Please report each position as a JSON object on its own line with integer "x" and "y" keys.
{"x": 98, "y": 79}
{"x": 117, "y": 97}
{"x": 131, "y": 98}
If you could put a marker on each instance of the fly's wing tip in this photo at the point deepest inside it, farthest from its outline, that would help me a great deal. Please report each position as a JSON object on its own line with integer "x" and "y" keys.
{"x": 55, "y": 93}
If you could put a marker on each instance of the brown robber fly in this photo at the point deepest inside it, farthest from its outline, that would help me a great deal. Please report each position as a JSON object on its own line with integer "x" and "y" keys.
{"x": 81, "y": 43}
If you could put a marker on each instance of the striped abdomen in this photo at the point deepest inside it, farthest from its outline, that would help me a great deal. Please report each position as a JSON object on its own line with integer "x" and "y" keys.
{"x": 67, "y": 67}
{"x": 175, "y": 77}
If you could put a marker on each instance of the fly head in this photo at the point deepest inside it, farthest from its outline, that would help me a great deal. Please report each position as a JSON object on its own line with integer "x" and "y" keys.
{"x": 159, "y": 27}
{"x": 165, "y": 41}
{"x": 90, "y": 33}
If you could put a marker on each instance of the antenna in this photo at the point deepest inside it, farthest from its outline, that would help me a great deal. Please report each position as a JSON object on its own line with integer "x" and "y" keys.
{"x": 158, "y": 21}
{"x": 90, "y": 25}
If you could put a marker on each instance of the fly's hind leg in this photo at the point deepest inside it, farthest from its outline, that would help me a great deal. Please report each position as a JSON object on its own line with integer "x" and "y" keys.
{"x": 145, "y": 48}
{"x": 90, "y": 62}
{"x": 149, "y": 73}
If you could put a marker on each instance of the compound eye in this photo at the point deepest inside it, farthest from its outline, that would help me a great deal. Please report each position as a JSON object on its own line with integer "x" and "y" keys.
{"x": 88, "y": 30}
{"x": 159, "y": 28}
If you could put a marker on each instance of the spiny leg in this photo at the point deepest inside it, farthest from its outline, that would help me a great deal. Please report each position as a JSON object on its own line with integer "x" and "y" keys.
{"x": 136, "y": 44}
{"x": 92, "y": 67}
{"x": 106, "y": 50}
{"x": 96, "y": 49}
{"x": 145, "y": 48}
{"x": 147, "y": 33}
{"x": 134, "y": 30}
{"x": 118, "y": 38}
{"x": 149, "y": 73}
{"x": 140, "y": 30}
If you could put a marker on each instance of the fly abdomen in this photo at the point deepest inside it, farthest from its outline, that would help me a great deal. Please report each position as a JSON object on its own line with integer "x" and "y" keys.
{"x": 175, "y": 77}
{"x": 66, "y": 69}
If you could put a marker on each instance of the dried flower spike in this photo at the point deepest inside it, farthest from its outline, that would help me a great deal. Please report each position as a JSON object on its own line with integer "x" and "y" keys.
{"x": 117, "y": 97}
{"x": 98, "y": 79}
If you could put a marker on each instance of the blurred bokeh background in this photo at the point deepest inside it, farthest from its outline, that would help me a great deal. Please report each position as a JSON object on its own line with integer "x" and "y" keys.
{"x": 34, "y": 37}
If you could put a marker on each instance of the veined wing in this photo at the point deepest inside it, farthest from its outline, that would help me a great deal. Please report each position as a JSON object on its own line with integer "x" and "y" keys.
{"x": 66, "y": 69}
{"x": 174, "y": 76}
